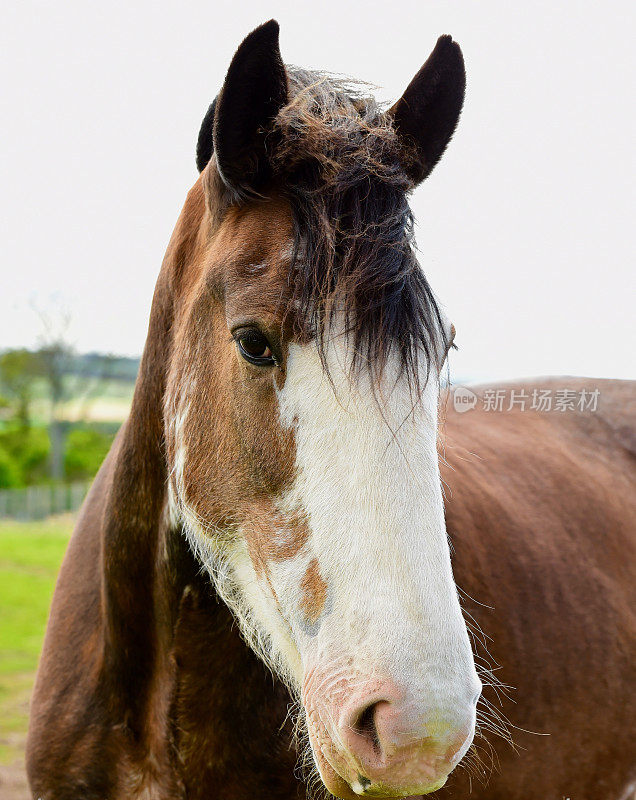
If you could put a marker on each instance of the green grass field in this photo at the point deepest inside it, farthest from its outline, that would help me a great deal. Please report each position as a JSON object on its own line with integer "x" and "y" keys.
{"x": 30, "y": 556}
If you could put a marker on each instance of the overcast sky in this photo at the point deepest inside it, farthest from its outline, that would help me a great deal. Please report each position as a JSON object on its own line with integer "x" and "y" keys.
{"x": 526, "y": 226}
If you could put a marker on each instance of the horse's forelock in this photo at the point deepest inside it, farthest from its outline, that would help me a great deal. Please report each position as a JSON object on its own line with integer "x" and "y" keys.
{"x": 339, "y": 162}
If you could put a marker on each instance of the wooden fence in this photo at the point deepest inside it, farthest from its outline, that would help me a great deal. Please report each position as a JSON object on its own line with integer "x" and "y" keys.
{"x": 38, "y": 502}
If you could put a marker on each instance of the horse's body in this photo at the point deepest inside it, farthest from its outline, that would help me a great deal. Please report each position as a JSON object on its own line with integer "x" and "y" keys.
{"x": 540, "y": 510}
{"x": 146, "y": 688}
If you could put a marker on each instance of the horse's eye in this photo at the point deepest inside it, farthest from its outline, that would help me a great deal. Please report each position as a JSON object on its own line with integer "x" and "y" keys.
{"x": 255, "y": 348}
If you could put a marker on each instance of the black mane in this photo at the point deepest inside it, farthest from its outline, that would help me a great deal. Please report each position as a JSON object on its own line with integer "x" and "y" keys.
{"x": 338, "y": 159}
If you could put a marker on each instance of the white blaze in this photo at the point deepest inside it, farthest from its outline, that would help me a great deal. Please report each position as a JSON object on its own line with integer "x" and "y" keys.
{"x": 368, "y": 479}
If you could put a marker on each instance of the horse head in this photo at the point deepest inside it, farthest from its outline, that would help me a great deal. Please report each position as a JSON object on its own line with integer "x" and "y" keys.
{"x": 301, "y": 411}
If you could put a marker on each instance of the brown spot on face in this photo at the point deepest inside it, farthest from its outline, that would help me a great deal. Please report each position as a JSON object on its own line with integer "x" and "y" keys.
{"x": 274, "y": 536}
{"x": 289, "y": 541}
{"x": 314, "y": 591}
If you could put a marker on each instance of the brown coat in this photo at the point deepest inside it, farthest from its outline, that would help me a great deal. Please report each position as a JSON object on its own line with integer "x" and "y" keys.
{"x": 145, "y": 688}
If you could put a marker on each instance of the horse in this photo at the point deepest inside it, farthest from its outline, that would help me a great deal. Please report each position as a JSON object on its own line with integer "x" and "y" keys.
{"x": 259, "y": 599}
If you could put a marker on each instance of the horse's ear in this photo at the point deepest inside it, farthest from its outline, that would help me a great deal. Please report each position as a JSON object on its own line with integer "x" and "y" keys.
{"x": 235, "y": 127}
{"x": 427, "y": 113}
{"x": 205, "y": 142}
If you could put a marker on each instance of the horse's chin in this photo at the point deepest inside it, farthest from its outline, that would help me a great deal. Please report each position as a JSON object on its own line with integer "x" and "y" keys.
{"x": 335, "y": 784}
{"x": 339, "y": 787}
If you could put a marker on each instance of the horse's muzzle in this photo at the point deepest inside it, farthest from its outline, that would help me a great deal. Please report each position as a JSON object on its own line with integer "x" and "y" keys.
{"x": 380, "y": 744}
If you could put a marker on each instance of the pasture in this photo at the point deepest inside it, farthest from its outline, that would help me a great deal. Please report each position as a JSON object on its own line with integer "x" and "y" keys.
{"x": 30, "y": 556}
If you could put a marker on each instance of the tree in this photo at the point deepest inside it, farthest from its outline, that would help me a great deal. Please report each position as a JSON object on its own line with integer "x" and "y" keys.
{"x": 67, "y": 376}
{"x": 19, "y": 370}
{"x": 55, "y": 357}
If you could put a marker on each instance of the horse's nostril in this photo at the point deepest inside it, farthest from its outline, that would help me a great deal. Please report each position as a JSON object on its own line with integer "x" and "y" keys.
{"x": 365, "y": 726}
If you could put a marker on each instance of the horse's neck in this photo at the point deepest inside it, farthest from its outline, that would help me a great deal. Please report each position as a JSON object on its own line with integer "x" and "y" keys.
{"x": 132, "y": 524}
